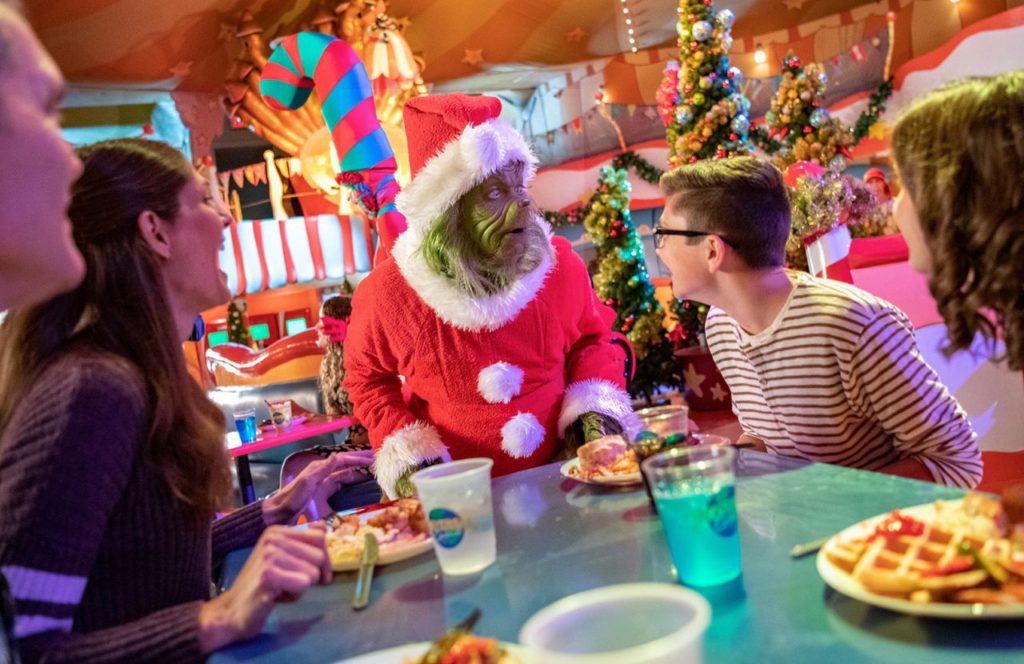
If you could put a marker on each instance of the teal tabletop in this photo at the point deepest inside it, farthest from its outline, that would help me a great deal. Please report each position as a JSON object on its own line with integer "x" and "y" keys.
{"x": 557, "y": 537}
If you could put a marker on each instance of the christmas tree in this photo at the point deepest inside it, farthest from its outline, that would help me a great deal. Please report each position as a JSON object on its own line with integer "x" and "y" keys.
{"x": 800, "y": 124}
{"x": 705, "y": 114}
{"x": 238, "y": 326}
{"x": 621, "y": 282}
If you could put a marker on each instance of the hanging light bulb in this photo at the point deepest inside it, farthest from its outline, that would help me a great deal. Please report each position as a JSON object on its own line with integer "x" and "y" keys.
{"x": 760, "y": 57}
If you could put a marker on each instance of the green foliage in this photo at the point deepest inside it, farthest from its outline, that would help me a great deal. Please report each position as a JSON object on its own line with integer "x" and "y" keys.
{"x": 621, "y": 282}
{"x": 238, "y": 324}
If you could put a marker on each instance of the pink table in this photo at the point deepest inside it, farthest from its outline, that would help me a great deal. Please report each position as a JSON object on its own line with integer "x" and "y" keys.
{"x": 314, "y": 425}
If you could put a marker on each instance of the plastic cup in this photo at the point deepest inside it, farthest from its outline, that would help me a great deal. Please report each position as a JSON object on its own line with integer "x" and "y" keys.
{"x": 661, "y": 427}
{"x": 638, "y": 623}
{"x": 456, "y": 498}
{"x": 694, "y": 488}
{"x": 245, "y": 422}
{"x": 281, "y": 414}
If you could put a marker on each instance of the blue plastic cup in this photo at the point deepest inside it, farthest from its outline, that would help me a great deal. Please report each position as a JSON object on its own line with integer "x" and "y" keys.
{"x": 694, "y": 488}
{"x": 245, "y": 422}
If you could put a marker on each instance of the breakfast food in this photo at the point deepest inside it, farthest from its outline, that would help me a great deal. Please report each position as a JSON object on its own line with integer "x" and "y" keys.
{"x": 459, "y": 646}
{"x": 398, "y": 524}
{"x": 962, "y": 553}
{"x": 605, "y": 457}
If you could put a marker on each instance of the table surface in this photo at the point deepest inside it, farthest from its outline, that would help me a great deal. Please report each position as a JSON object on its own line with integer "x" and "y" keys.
{"x": 557, "y": 537}
{"x": 315, "y": 425}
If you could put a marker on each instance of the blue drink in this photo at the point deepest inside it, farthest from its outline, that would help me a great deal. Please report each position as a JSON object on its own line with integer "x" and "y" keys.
{"x": 699, "y": 516}
{"x": 245, "y": 422}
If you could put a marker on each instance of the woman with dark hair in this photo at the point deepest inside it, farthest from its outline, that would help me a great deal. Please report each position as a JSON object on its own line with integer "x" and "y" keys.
{"x": 959, "y": 152}
{"x": 111, "y": 457}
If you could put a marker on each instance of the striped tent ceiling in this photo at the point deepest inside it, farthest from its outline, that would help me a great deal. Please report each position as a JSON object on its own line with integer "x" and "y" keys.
{"x": 183, "y": 44}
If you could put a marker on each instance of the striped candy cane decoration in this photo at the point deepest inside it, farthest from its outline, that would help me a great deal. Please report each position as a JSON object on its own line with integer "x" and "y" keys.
{"x": 309, "y": 60}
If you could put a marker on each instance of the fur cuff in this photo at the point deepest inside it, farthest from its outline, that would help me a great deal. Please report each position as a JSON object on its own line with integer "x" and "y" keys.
{"x": 500, "y": 382}
{"x": 407, "y": 447}
{"x": 598, "y": 396}
{"x": 522, "y": 435}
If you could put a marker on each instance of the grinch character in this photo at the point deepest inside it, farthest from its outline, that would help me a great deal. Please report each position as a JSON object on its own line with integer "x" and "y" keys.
{"x": 486, "y": 322}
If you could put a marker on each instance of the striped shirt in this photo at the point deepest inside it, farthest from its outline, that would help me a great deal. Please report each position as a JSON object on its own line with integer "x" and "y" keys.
{"x": 837, "y": 377}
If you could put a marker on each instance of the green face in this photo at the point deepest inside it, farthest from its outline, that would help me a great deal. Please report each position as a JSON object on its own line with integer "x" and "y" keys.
{"x": 491, "y": 210}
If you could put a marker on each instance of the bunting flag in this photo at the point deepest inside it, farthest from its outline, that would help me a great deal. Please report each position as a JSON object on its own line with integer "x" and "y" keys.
{"x": 238, "y": 175}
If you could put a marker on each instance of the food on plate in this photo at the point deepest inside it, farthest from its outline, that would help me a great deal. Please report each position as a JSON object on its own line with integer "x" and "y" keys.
{"x": 398, "y": 524}
{"x": 459, "y": 646}
{"x": 605, "y": 457}
{"x": 962, "y": 554}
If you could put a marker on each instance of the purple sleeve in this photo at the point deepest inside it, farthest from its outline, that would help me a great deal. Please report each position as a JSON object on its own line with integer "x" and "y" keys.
{"x": 239, "y": 529}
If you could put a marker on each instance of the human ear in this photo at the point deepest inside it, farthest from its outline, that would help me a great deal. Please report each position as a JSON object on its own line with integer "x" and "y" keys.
{"x": 714, "y": 252}
{"x": 155, "y": 233}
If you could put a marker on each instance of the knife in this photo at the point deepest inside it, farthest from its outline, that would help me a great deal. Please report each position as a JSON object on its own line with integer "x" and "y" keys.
{"x": 365, "y": 576}
{"x": 801, "y": 550}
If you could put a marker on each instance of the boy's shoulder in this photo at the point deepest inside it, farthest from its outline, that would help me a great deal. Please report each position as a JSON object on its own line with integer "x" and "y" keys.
{"x": 840, "y": 299}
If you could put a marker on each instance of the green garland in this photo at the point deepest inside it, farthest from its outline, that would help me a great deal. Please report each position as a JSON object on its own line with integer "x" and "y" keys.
{"x": 876, "y": 106}
{"x": 644, "y": 169}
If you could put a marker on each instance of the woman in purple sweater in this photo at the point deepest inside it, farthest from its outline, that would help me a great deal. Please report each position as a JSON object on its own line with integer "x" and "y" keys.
{"x": 111, "y": 457}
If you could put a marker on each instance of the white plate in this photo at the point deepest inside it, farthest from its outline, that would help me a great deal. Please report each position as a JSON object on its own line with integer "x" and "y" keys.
{"x": 399, "y": 654}
{"x": 389, "y": 553}
{"x": 850, "y": 587}
{"x": 625, "y": 479}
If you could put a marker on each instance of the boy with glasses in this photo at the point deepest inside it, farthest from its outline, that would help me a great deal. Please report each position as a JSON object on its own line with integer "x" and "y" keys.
{"x": 818, "y": 369}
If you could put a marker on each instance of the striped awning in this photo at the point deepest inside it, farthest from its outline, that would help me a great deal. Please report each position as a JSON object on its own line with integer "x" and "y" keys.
{"x": 260, "y": 255}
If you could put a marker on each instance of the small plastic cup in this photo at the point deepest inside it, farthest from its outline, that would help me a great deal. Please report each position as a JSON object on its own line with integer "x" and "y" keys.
{"x": 281, "y": 414}
{"x": 662, "y": 427}
{"x": 638, "y": 623}
{"x": 456, "y": 498}
{"x": 245, "y": 422}
{"x": 694, "y": 488}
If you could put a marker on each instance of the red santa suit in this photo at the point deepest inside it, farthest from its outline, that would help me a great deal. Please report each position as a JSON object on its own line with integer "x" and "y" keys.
{"x": 500, "y": 376}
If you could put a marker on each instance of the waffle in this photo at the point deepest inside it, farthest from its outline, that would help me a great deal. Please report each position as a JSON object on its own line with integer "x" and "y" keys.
{"x": 931, "y": 566}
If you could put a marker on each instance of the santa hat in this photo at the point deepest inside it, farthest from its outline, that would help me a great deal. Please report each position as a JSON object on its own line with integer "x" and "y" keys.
{"x": 455, "y": 142}
{"x": 874, "y": 174}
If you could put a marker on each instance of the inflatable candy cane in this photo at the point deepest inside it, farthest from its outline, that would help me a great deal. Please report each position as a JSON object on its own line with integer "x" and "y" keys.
{"x": 310, "y": 60}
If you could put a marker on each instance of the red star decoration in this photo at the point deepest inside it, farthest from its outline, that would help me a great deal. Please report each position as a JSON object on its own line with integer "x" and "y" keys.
{"x": 182, "y": 69}
{"x": 576, "y": 34}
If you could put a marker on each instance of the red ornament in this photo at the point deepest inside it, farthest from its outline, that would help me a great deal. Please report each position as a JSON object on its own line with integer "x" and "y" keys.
{"x": 808, "y": 129}
{"x": 733, "y": 137}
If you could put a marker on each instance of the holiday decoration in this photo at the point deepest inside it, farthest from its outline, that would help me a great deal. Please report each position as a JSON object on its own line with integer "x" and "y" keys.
{"x": 644, "y": 169}
{"x": 238, "y": 325}
{"x": 699, "y": 101}
{"x": 621, "y": 282}
{"x": 367, "y": 163}
{"x": 798, "y": 127}
{"x": 824, "y": 200}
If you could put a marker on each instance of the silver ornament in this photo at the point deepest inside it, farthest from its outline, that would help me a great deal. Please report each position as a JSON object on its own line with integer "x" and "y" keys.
{"x": 725, "y": 18}
{"x": 701, "y": 30}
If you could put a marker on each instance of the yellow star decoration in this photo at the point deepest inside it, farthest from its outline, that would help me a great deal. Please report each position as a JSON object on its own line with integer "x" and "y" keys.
{"x": 576, "y": 34}
{"x": 473, "y": 56}
{"x": 717, "y": 393}
{"x": 793, "y": 4}
{"x": 878, "y": 131}
{"x": 694, "y": 380}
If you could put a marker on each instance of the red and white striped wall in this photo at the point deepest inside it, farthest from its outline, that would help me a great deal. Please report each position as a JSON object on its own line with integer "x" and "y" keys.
{"x": 259, "y": 255}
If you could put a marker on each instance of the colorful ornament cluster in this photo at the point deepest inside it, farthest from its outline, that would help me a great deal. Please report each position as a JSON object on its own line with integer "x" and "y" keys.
{"x": 820, "y": 203}
{"x": 621, "y": 281}
{"x": 238, "y": 325}
{"x": 699, "y": 100}
{"x": 644, "y": 169}
{"x": 801, "y": 125}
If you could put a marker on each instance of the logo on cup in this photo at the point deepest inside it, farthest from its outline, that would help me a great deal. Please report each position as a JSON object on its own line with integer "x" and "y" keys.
{"x": 447, "y": 527}
{"x": 722, "y": 512}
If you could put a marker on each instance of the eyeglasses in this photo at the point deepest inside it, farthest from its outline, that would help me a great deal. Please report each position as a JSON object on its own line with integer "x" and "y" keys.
{"x": 660, "y": 233}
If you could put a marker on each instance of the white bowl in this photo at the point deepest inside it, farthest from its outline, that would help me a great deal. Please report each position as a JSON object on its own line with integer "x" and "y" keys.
{"x": 638, "y": 623}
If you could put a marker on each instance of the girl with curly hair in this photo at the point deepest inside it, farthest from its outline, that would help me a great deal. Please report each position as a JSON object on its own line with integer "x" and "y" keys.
{"x": 960, "y": 154}
{"x": 334, "y": 314}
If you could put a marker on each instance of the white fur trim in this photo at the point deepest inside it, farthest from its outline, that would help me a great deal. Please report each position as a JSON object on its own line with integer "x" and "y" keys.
{"x": 409, "y": 446}
{"x": 522, "y": 435}
{"x": 500, "y": 382}
{"x": 462, "y": 164}
{"x": 598, "y": 396}
{"x": 456, "y": 307}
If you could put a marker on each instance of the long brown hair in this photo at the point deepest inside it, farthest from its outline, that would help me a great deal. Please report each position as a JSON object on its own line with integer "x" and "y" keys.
{"x": 960, "y": 154}
{"x": 332, "y": 366}
{"x": 121, "y": 307}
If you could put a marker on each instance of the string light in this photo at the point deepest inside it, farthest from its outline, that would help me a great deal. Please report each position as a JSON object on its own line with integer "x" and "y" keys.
{"x": 630, "y": 32}
{"x": 760, "y": 57}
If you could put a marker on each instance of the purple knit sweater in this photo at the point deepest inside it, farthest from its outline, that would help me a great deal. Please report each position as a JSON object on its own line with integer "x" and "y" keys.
{"x": 105, "y": 564}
